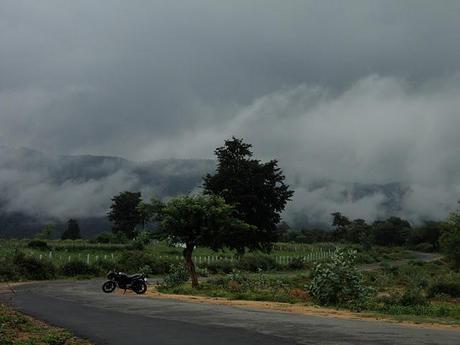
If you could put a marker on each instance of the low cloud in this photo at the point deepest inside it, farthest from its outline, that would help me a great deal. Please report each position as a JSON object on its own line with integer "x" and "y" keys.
{"x": 379, "y": 131}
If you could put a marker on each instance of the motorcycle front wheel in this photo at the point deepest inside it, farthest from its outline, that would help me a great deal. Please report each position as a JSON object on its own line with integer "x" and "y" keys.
{"x": 139, "y": 287}
{"x": 109, "y": 286}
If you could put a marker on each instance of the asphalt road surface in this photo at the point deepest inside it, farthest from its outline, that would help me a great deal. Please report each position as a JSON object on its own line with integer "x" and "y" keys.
{"x": 118, "y": 320}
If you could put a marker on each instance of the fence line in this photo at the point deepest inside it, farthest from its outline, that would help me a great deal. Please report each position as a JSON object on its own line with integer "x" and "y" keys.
{"x": 312, "y": 256}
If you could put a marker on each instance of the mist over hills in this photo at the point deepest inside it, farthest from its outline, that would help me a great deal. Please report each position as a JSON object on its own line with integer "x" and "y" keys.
{"x": 36, "y": 188}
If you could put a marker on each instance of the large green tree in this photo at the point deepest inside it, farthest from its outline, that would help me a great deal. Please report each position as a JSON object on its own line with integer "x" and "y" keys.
{"x": 340, "y": 222}
{"x": 72, "y": 232}
{"x": 450, "y": 239}
{"x": 391, "y": 232}
{"x": 125, "y": 214}
{"x": 46, "y": 232}
{"x": 200, "y": 220}
{"x": 256, "y": 190}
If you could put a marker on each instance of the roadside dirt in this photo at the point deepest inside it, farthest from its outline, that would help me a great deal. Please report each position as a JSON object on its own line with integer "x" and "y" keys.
{"x": 290, "y": 308}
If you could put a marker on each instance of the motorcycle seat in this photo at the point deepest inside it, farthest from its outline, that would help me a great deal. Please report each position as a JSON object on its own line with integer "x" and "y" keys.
{"x": 134, "y": 276}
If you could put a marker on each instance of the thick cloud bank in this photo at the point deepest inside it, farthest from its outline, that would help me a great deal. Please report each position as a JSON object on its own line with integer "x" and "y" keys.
{"x": 358, "y": 99}
{"x": 380, "y": 131}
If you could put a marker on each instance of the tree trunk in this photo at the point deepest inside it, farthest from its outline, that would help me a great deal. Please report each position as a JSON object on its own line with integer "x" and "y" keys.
{"x": 190, "y": 264}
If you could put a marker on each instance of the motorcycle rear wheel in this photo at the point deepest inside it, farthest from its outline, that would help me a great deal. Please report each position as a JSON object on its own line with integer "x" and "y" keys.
{"x": 139, "y": 287}
{"x": 109, "y": 286}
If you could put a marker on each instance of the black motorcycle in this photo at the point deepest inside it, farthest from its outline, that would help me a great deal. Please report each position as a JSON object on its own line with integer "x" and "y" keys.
{"x": 136, "y": 282}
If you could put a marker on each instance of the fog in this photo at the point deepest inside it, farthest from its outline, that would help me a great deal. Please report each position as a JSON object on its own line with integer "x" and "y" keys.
{"x": 346, "y": 95}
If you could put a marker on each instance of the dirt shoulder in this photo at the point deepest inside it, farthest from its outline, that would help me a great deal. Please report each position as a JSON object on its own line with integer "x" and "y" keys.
{"x": 296, "y": 308}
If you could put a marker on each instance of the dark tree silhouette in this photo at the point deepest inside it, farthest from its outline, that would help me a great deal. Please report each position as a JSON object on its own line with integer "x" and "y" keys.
{"x": 256, "y": 190}
{"x": 125, "y": 214}
{"x": 72, "y": 232}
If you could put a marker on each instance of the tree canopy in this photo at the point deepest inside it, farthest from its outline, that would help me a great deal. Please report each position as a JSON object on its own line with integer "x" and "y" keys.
{"x": 199, "y": 220}
{"x": 72, "y": 232}
{"x": 450, "y": 239}
{"x": 125, "y": 214}
{"x": 256, "y": 190}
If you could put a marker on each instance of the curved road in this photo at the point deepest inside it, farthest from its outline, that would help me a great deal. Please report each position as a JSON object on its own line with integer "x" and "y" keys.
{"x": 118, "y": 320}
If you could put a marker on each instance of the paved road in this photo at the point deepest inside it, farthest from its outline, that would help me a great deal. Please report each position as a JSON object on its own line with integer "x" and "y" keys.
{"x": 136, "y": 320}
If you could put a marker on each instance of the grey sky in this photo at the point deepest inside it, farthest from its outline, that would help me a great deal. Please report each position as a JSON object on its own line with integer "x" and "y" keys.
{"x": 109, "y": 76}
{"x": 345, "y": 91}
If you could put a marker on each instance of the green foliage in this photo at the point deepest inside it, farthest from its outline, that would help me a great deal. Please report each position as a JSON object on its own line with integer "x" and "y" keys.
{"x": 46, "y": 233}
{"x": 449, "y": 287}
{"x": 413, "y": 296}
{"x": 76, "y": 268}
{"x": 340, "y": 223}
{"x": 38, "y": 244}
{"x": 424, "y": 247}
{"x": 338, "y": 282}
{"x": 392, "y": 232}
{"x": 450, "y": 239}
{"x": 125, "y": 214}
{"x": 308, "y": 236}
{"x": 200, "y": 220}
{"x": 257, "y": 191}
{"x": 297, "y": 263}
{"x": 107, "y": 237}
{"x": 72, "y": 232}
{"x": 257, "y": 262}
{"x": 31, "y": 268}
{"x": 135, "y": 261}
{"x": 426, "y": 237}
{"x": 178, "y": 275}
{"x": 219, "y": 267}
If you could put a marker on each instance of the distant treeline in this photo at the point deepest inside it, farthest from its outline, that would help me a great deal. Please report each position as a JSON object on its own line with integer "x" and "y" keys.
{"x": 393, "y": 231}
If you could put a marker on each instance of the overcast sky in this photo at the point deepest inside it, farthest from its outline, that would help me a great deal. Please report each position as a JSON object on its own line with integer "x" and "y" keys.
{"x": 349, "y": 91}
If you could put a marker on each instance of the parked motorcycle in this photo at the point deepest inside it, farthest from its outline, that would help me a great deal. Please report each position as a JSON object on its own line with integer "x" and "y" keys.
{"x": 136, "y": 282}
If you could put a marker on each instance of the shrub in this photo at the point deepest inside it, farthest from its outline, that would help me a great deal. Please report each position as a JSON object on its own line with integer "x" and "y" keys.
{"x": 445, "y": 287}
{"x": 424, "y": 247}
{"x": 255, "y": 263}
{"x": 7, "y": 270}
{"x": 178, "y": 275}
{"x": 219, "y": 267}
{"x": 133, "y": 261}
{"x": 76, "y": 268}
{"x": 297, "y": 263}
{"x": 338, "y": 281}
{"x": 102, "y": 266}
{"x": 412, "y": 297}
{"x": 32, "y": 268}
{"x": 38, "y": 244}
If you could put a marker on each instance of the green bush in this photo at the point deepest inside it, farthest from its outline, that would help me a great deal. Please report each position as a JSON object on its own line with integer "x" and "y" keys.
{"x": 412, "y": 297}
{"x": 445, "y": 287}
{"x": 424, "y": 247}
{"x": 297, "y": 263}
{"x": 255, "y": 263}
{"x": 219, "y": 267}
{"x": 7, "y": 270}
{"x": 76, "y": 268}
{"x": 134, "y": 261}
{"x": 338, "y": 282}
{"x": 38, "y": 244}
{"x": 178, "y": 275}
{"x": 28, "y": 267}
